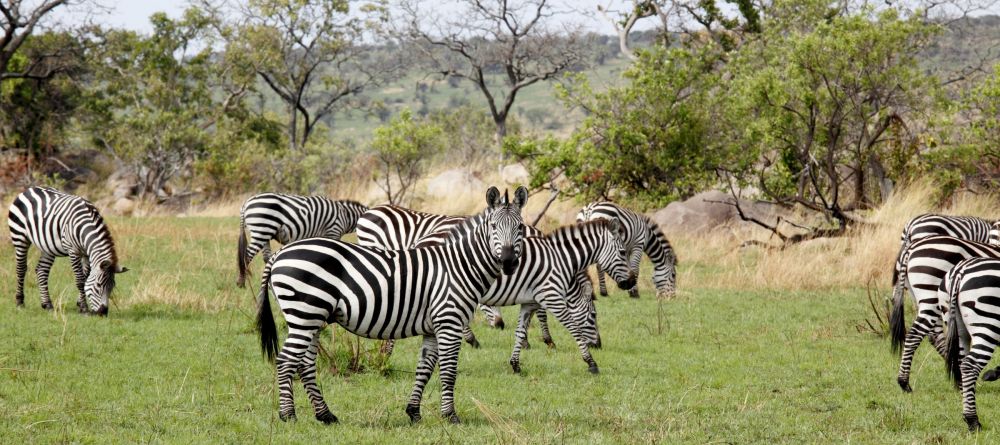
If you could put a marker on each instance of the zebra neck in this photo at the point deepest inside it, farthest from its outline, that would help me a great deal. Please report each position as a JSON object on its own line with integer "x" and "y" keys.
{"x": 471, "y": 259}
{"x": 577, "y": 249}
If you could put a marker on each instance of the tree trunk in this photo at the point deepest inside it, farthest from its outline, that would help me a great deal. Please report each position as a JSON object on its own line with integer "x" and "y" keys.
{"x": 293, "y": 123}
{"x": 501, "y": 123}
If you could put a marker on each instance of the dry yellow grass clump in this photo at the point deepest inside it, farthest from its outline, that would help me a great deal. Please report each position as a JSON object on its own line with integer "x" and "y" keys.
{"x": 865, "y": 255}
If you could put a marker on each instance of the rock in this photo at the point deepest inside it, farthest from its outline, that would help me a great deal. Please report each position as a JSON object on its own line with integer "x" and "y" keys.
{"x": 709, "y": 211}
{"x": 515, "y": 174}
{"x": 455, "y": 181}
{"x": 123, "y": 206}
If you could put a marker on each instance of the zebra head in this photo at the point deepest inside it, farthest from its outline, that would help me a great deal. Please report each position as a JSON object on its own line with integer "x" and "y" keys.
{"x": 100, "y": 282}
{"x": 581, "y": 299}
{"x": 505, "y": 226}
{"x": 613, "y": 257}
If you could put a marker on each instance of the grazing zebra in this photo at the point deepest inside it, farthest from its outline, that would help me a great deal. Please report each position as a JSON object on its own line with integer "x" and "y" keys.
{"x": 963, "y": 227}
{"x": 60, "y": 225}
{"x": 430, "y": 292}
{"x": 287, "y": 218}
{"x": 643, "y": 235}
{"x": 548, "y": 277}
{"x": 925, "y": 264}
{"x": 972, "y": 288}
{"x": 397, "y": 228}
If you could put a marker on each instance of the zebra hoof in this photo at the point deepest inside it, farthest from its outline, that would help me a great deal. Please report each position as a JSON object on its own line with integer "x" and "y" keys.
{"x": 474, "y": 342}
{"x": 634, "y": 293}
{"x": 548, "y": 342}
{"x": 905, "y": 385}
{"x": 499, "y": 324}
{"x": 289, "y": 417}
{"x": 414, "y": 412}
{"x": 240, "y": 284}
{"x": 604, "y": 293}
{"x": 525, "y": 344}
{"x": 593, "y": 369}
{"x": 973, "y": 422}
{"x": 326, "y": 417}
{"x": 515, "y": 366}
{"x": 991, "y": 375}
{"x": 47, "y": 306}
{"x": 453, "y": 418}
{"x": 19, "y": 301}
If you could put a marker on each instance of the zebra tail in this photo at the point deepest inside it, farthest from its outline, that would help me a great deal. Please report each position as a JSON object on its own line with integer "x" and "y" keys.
{"x": 897, "y": 322}
{"x": 241, "y": 249}
{"x": 953, "y": 358}
{"x": 265, "y": 319}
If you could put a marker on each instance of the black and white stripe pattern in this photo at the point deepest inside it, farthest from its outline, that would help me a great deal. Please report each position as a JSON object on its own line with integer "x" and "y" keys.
{"x": 287, "y": 218}
{"x": 963, "y": 227}
{"x": 60, "y": 224}
{"x": 925, "y": 264}
{"x": 643, "y": 236}
{"x": 972, "y": 288}
{"x": 547, "y": 279}
{"x": 430, "y": 292}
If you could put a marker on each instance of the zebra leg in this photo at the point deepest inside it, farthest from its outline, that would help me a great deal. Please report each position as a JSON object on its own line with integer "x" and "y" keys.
{"x": 521, "y": 336}
{"x": 77, "y": 262}
{"x": 265, "y": 252}
{"x": 556, "y": 304}
{"x": 470, "y": 337}
{"x": 21, "y": 256}
{"x": 425, "y": 367}
{"x": 42, "y": 271}
{"x": 543, "y": 324}
{"x": 921, "y": 327}
{"x": 601, "y": 283}
{"x": 972, "y": 364}
{"x": 387, "y": 347}
{"x": 493, "y": 316}
{"x": 448, "y": 346}
{"x": 288, "y": 364}
{"x": 307, "y": 373}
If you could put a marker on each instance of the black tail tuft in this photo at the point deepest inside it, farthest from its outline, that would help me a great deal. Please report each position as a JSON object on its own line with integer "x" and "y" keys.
{"x": 241, "y": 254}
{"x": 897, "y": 322}
{"x": 953, "y": 359}
{"x": 265, "y": 319}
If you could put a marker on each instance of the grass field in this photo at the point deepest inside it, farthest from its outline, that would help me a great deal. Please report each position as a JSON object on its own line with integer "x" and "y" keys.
{"x": 177, "y": 361}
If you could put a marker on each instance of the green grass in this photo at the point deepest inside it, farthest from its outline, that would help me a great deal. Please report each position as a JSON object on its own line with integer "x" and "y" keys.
{"x": 723, "y": 366}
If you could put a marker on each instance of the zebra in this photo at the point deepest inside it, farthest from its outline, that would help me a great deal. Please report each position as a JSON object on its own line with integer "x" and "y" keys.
{"x": 548, "y": 275}
{"x": 643, "y": 235}
{"x": 61, "y": 225}
{"x": 929, "y": 224}
{"x": 925, "y": 264}
{"x": 288, "y": 218}
{"x": 396, "y": 228}
{"x": 972, "y": 288}
{"x": 375, "y": 293}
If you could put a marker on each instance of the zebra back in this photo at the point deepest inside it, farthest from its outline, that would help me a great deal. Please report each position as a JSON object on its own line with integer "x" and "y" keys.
{"x": 394, "y": 228}
{"x": 929, "y": 224}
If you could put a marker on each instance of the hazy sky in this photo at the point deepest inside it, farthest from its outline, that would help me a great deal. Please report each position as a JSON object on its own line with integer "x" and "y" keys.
{"x": 134, "y": 14}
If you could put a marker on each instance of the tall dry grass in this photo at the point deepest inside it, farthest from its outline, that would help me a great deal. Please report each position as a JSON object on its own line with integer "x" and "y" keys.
{"x": 864, "y": 255}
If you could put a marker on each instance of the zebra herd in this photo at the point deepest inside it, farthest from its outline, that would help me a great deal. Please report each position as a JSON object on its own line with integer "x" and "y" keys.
{"x": 951, "y": 266}
{"x": 411, "y": 274}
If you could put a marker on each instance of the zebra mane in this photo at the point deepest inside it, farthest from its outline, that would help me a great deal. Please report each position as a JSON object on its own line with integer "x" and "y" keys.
{"x": 659, "y": 236}
{"x": 102, "y": 228}
{"x": 465, "y": 227}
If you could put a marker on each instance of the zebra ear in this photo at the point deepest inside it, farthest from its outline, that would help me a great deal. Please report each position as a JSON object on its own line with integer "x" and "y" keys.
{"x": 520, "y": 196}
{"x": 492, "y": 195}
{"x": 121, "y": 269}
{"x": 106, "y": 264}
{"x": 616, "y": 227}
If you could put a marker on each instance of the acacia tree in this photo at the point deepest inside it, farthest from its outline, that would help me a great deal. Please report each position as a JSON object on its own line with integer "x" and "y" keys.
{"x": 521, "y": 41}
{"x": 310, "y": 53}
{"x": 402, "y": 149}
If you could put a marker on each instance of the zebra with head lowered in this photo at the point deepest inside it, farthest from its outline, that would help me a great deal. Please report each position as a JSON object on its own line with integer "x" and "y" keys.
{"x": 925, "y": 264}
{"x": 642, "y": 235}
{"x": 60, "y": 225}
{"x": 972, "y": 288}
{"x": 929, "y": 224}
{"x": 287, "y": 218}
{"x": 430, "y": 292}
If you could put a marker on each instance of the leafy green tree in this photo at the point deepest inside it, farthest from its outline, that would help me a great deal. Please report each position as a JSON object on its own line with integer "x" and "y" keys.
{"x": 403, "y": 149}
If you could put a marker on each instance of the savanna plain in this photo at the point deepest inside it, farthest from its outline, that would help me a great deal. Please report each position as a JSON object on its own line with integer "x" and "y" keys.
{"x": 759, "y": 346}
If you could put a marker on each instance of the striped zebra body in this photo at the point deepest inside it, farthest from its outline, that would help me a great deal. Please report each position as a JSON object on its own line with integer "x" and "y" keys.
{"x": 643, "y": 236}
{"x": 963, "y": 227}
{"x": 287, "y": 218}
{"x": 926, "y": 263}
{"x": 396, "y": 228}
{"x": 63, "y": 225}
{"x": 548, "y": 276}
{"x": 386, "y": 294}
{"x": 972, "y": 288}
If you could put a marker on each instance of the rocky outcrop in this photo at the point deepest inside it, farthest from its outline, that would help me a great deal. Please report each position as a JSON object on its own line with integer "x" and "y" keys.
{"x": 451, "y": 182}
{"x": 711, "y": 210}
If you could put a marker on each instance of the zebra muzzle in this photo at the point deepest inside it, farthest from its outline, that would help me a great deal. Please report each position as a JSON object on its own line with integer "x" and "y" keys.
{"x": 628, "y": 283}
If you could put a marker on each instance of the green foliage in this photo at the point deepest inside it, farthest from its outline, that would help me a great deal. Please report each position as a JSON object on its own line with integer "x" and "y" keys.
{"x": 402, "y": 149}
